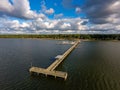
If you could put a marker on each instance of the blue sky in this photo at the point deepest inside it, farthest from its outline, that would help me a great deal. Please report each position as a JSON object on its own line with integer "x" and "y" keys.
{"x": 59, "y": 16}
{"x": 57, "y": 6}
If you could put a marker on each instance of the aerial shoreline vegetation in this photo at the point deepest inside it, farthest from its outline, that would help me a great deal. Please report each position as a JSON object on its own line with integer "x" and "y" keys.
{"x": 65, "y": 36}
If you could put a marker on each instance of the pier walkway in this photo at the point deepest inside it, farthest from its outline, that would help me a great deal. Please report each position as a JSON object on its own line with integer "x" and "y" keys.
{"x": 51, "y": 69}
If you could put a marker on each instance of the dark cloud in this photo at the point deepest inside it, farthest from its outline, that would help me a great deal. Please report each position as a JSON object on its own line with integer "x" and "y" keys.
{"x": 98, "y": 11}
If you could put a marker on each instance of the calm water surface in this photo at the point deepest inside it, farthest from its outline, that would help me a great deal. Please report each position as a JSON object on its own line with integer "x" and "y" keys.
{"x": 93, "y": 65}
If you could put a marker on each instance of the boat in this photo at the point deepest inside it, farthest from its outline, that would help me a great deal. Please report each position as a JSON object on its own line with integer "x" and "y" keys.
{"x": 67, "y": 42}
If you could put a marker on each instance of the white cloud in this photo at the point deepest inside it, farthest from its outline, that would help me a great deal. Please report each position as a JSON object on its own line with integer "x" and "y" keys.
{"x": 19, "y": 8}
{"x": 77, "y": 10}
{"x": 5, "y": 6}
{"x": 49, "y": 11}
{"x": 57, "y": 16}
{"x": 65, "y": 26}
{"x": 43, "y": 5}
{"x": 48, "y": 26}
{"x": 39, "y": 25}
{"x": 45, "y": 10}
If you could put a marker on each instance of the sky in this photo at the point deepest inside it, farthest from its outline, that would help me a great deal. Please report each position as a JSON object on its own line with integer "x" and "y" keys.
{"x": 59, "y": 16}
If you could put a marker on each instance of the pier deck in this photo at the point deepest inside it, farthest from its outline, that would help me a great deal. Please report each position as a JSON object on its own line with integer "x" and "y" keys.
{"x": 58, "y": 61}
{"x": 47, "y": 72}
{"x": 51, "y": 69}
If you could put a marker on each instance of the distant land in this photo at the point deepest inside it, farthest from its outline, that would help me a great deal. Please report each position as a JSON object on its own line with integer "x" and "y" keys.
{"x": 65, "y": 36}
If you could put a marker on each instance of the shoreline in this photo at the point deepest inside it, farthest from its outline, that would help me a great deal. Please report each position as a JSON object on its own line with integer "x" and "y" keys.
{"x": 83, "y": 37}
{"x": 85, "y": 40}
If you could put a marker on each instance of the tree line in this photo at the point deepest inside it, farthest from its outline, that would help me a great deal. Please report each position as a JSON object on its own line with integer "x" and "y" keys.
{"x": 67, "y": 36}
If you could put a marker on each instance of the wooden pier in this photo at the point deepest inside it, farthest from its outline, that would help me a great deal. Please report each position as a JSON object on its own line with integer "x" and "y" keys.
{"x": 51, "y": 69}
